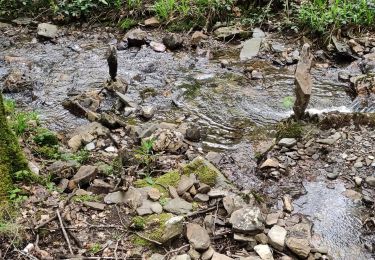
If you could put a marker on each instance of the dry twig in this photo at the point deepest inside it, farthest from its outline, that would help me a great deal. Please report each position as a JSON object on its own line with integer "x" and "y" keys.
{"x": 64, "y": 231}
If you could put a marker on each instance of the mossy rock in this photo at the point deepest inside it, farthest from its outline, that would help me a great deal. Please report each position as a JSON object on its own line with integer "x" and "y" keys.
{"x": 161, "y": 183}
{"x": 45, "y": 137}
{"x": 159, "y": 227}
{"x": 203, "y": 169}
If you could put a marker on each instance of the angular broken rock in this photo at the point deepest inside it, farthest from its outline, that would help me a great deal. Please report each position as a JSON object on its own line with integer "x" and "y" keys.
{"x": 217, "y": 256}
{"x": 84, "y": 175}
{"x": 197, "y": 236}
{"x": 154, "y": 194}
{"x": 186, "y": 182}
{"x": 277, "y": 236}
{"x": 248, "y": 220}
{"x": 136, "y": 37}
{"x": 94, "y": 205}
{"x": 47, "y": 30}
{"x": 288, "y": 206}
{"x": 173, "y": 227}
{"x": 133, "y": 198}
{"x": 303, "y": 82}
{"x": 287, "y": 142}
{"x": 178, "y": 206}
{"x": 152, "y": 22}
{"x": 299, "y": 246}
{"x": 114, "y": 197}
{"x": 264, "y": 252}
{"x": 270, "y": 163}
{"x": 207, "y": 255}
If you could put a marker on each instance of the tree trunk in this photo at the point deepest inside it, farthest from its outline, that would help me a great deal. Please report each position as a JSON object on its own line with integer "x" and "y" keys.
{"x": 11, "y": 156}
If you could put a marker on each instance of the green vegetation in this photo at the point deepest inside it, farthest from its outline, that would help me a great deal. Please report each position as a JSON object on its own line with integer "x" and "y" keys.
{"x": 145, "y": 156}
{"x": 289, "y": 129}
{"x": 288, "y": 102}
{"x": 138, "y": 223}
{"x": 161, "y": 183}
{"x": 204, "y": 170}
{"x": 86, "y": 197}
{"x": 323, "y": 16}
{"x": 80, "y": 156}
{"x": 95, "y": 248}
{"x": 46, "y": 137}
{"x": 127, "y": 23}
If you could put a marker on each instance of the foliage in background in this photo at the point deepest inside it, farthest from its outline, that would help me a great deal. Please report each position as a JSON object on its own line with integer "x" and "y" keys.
{"x": 323, "y": 15}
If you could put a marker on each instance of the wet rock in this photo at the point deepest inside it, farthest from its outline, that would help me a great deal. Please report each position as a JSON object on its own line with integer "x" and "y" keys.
{"x": 84, "y": 175}
{"x": 264, "y": 252}
{"x": 47, "y": 30}
{"x": 299, "y": 246}
{"x": 197, "y": 236}
{"x": 207, "y": 255}
{"x": 270, "y": 163}
{"x": 136, "y": 37}
{"x": 157, "y": 46}
{"x": 147, "y": 112}
{"x": 152, "y": 22}
{"x": 287, "y": 142}
{"x": 193, "y": 134}
{"x": 217, "y": 256}
{"x": 303, "y": 82}
{"x": 250, "y": 49}
{"x": 186, "y": 182}
{"x": 224, "y": 33}
{"x": 94, "y": 205}
{"x": 247, "y": 220}
{"x": 277, "y": 236}
{"x": 173, "y": 41}
{"x": 288, "y": 206}
{"x": 178, "y": 206}
{"x": 197, "y": 37}
{"x": 370, "y": 180}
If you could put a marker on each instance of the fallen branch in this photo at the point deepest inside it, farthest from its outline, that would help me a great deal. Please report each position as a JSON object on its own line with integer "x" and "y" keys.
{"x": 64, "y": 231}
{"x": 69, "y": 231}
{"x": 175, "y": 250}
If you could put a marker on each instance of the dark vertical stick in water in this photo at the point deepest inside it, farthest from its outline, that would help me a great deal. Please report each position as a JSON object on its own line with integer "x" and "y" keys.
{"x": 112, "y": 61}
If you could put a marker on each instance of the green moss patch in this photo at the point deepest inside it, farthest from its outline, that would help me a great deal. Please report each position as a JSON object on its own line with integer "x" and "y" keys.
{"x": 204, "y": 170}
{"x": 161, "y": 183}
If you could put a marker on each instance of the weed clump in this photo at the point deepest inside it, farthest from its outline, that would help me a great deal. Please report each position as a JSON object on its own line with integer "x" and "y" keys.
{"x": 289, "y": 129}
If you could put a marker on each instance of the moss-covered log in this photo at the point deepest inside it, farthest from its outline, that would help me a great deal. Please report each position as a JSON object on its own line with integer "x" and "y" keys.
{"x": 11, "y": 156}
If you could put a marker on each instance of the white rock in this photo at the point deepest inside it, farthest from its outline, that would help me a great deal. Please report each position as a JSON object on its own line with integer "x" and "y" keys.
{"x": 264, "y": 252}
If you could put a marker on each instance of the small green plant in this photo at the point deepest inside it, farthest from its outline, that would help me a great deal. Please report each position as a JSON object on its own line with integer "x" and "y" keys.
{"x": 86, "y": 197}
{"x": 95, "y": 248}
{"x": 164, "y": 8}
{"x": 45, "y": 137}
{"x": 25, "y": 176}
{"x": 17, "y": 196}
{"x": 47, "y": 152}
{"x": 9, "y": 106}
{"x": 288, "y": 102}
{"x": 138, "y": 223}
{"x": 81, "y": 156}
{"x": 289, "y": 129}
{"x": 144, "y": 154}
{"x": 134, "y": 3}
{"x": 163, "y": 201}
{"x": 20, "y": 121}
{"x": 127, "y": 23}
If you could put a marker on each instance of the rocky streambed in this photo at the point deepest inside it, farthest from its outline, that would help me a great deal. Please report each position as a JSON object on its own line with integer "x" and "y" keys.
{"x": 224, "y": 188}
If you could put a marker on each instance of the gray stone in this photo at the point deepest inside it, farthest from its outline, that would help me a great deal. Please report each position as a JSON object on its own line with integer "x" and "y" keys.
{"x": 85, "y": 174}
{"x": 47, "y": 30}
{"x": 186, "y": 182}
{"x": 288, "y": 206}
{"x": 114, "y": 197}
{"x": 243, "y": 238}
{"x": 261, "y": 238}
{"x": 147, "y": 112}
{"x": 157, "y": 46}
{"x": 303, "y": 82}
{"x": 250, "y": 49}
{"x": 173, "y": 192}
{"x": 370, "y": 180}
{"x": 299, "y": 246}
{"x": 272, "y": 218}
{"x": 154, "y": 194}
{"x": 277, "y": 236}
{"x": 181, "y": 257}
{"x": 258, "y": 33}
{"x": 207, "y": 255}
{"x": 156, "y": 208}
{"x": 133, "y": 198}
{"x": 287, "y": 142}
{"x": 217, "y": 256}
{"x": 203, "y": 188}
{"x": 201, "y": 197}
{"x": 232, "y": 203}
{"x": 136, "y": 37}
{"x": 178, "y": 206}
{"x": 229, "y": 32}
{"x": 194, "y": 254}
{"x": 332, "y": 175}
{"x": 152, "y": 22}
{"x": 270, "y": 163}
{"x": 197, "y": 37}
{"x": 128, "y": 101}
{"x": 99, "y": 186}
{"x": 156, "y": 257}
{"x": 145, "y": 208}
{"x": 358, "y": 180}
{"x": 90, "y": 146}
{"x": 94, "y": 205}
{"x": 247, "y": 220}
{"x": 217, "y": 193}
{"x": 198, "y": 236}
{"x": 264, "y": 252}
{"x": 173, "y": 228}
{"x": 173, "y": 41}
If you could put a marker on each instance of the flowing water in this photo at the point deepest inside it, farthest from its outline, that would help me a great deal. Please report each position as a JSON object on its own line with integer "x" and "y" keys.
{"x": 225, "y": 102}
